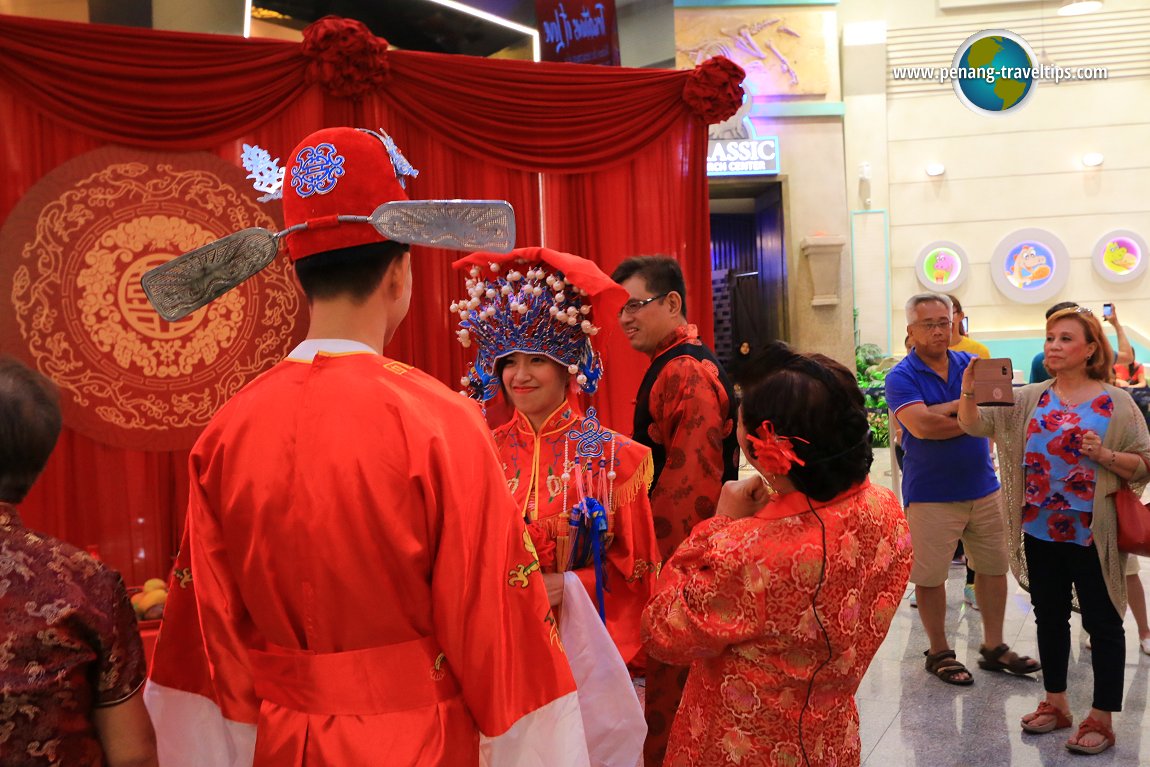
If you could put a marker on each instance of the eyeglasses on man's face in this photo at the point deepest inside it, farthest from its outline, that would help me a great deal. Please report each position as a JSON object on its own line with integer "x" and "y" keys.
{"x": 930, "y": 327}
{"x": 636, "y": 304}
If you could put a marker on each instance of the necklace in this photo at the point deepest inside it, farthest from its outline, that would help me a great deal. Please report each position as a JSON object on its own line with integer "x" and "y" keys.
{"x": 1067, "y": 401}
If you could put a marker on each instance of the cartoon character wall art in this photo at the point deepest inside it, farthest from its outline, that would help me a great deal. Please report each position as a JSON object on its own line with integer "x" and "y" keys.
{"x": 1029, "y": 266}
{"x": 1121, "y": 255}
{"x": 942, "y": 266}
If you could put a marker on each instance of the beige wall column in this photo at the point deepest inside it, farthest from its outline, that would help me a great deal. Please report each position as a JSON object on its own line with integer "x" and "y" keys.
{"x": 811, "y": 151}
{"x": 224, "y": 17}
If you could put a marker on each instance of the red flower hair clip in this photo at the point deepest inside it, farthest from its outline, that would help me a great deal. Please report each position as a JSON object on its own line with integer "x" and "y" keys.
{"x": 774, "y": 453}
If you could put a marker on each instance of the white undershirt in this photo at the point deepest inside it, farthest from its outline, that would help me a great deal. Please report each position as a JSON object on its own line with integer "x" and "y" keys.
{"x": 307, "y": 350}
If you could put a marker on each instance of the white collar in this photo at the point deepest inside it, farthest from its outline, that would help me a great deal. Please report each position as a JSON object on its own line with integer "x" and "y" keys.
{"x": 307, "y": 350}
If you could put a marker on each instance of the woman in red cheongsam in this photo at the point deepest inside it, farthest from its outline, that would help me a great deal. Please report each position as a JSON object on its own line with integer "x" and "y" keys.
{"x": 780, "y": 601}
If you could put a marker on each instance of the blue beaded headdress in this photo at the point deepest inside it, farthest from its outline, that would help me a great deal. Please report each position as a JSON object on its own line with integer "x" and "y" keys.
{"x": 537, "y": 301}
{"x": 530, "y": 311}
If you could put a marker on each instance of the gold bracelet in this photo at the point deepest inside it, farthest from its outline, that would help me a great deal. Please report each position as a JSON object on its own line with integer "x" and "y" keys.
{"x": 968, "y": 394}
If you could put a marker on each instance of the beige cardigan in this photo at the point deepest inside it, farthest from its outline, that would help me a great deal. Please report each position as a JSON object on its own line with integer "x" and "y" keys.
{"x": 1126, "y": 433}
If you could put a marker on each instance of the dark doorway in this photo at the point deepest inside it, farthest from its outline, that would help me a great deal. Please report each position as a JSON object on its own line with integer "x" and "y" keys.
{"x": 749, "y": 267}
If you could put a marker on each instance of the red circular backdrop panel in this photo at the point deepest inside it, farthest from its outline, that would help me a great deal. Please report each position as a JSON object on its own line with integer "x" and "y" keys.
{"x": 71, "y": 257}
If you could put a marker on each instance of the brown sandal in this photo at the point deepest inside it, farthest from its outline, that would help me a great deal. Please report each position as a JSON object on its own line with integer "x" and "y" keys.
{"x": 946, "y": 667}
{"x": 1090, "y": 724}
{"x": 1002, "y": 658}
{"x": 1060, "y": 721}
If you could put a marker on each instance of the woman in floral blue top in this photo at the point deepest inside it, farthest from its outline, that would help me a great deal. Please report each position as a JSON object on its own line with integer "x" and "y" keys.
{"x": 1059, "y": 479}
{"x": 1064, "y": 448}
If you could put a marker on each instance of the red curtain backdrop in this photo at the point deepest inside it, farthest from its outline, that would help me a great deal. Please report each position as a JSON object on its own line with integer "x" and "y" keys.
{"x": 602, "y": 162}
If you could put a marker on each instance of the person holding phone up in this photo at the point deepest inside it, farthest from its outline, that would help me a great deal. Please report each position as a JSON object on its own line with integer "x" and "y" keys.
{"x": 1065, "y": 446}
{"x": 951, "y": 492}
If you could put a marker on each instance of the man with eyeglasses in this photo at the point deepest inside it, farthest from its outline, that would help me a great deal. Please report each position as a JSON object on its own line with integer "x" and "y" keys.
{"x": 684, "y": 412}
{"x": 951, "y": 492}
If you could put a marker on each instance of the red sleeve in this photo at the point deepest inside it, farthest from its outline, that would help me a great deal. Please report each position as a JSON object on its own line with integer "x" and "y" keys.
{"x": 222, "y": 614}
{"x": 492, "y": 617}
{"x": 180, "y": 659}
{"x": 692, "y": 415}
{"x": 122, "y": 665}
{"x": 710, "y": 596}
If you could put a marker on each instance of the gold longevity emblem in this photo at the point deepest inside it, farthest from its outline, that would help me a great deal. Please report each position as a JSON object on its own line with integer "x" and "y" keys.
{"x": 72, "y": 255}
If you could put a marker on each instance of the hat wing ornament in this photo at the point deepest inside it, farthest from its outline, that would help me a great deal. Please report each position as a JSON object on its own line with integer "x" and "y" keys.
{"x": 198, "y": 277}
{"x": 454, "y": 224}
{"x": 331, "y": 179}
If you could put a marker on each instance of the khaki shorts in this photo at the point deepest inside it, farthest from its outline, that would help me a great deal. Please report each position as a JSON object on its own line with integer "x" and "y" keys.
{"x": 935, "y": 529}
{"x": 1132, "y": 565}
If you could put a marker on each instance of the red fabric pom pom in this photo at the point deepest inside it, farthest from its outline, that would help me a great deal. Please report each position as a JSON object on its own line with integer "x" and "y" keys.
{"x": 714, "y": 89}
{"x": 346, "y": 58}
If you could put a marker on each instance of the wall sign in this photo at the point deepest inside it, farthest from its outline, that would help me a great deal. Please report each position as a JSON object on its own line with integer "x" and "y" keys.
{"x": 743, "y": 157}
{"x": 1030, "y": 266}
{"x": 1120, "y": 256}
{"x": 941, "y": 266}
{"x": 578, "y": 31}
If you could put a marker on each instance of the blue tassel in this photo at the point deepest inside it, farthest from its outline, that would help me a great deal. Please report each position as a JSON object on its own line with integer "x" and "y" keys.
{"x": 588, "y": 538}
{"x": 598, "y": 534}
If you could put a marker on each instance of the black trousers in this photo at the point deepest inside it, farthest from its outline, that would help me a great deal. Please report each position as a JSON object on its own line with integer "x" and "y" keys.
{"x": 1054, "y": 568}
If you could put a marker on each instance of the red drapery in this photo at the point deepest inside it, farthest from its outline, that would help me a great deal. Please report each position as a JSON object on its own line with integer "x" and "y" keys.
{"x": 615, "y": 156}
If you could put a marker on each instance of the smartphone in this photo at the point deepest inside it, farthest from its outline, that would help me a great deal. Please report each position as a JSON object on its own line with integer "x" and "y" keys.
{"x": 964, "y": 328}
{"x": 993, "y": 382}
{"x": 1107, "y": 311}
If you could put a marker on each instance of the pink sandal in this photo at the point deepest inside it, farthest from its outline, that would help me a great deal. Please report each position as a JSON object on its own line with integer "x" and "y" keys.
{"x": 1060, "y": 721}
{"x": 1088, "y": 725}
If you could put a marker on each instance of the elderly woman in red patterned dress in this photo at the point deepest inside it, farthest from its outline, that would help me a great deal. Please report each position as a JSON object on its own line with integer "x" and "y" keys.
{"x": 71, "y": 662}
{"x": 780, "y": 601}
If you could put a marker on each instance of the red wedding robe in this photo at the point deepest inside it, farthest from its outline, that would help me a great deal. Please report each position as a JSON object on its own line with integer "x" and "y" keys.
{"x": 355, "y": 605}
{"x": 533, "y": 465}
{"x": 737, "y": 603}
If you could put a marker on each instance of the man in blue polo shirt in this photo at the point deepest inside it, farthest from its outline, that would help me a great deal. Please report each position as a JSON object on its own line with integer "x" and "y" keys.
{"x": 951, "y": 492}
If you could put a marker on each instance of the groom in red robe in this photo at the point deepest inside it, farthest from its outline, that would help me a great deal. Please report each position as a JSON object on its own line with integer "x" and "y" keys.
{"x": 355, "y": 585}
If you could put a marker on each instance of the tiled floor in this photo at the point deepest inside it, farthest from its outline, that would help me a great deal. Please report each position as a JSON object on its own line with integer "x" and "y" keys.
{"x": 911, "y": 719}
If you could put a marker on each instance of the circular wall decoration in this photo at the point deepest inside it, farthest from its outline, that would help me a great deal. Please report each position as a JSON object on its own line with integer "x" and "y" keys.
{"x": 1030, "y": 266}
{"x": 1120, "y": 256}
{"x": 71, "y": 257}
{"x": 941, "y": 266}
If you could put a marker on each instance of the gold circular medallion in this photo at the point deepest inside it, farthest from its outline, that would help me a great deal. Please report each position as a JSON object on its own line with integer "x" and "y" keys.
{"x": 73, "y": 252}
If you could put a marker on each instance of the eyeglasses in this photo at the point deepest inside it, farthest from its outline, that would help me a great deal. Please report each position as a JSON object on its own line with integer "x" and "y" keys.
{"x": 635, "y": 304}
{"x": 930, "y": 327}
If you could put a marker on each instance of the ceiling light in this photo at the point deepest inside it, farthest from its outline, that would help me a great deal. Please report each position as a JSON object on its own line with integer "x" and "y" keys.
{"x": 935, "y": 169}
{"x": 455, "y": 5}
{"x": 1092, "y": 159}
{"x": 1079, "y": 7}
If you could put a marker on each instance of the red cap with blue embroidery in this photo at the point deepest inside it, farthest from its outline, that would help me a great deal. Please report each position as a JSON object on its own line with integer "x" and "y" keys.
{"x": 340, "y": 172}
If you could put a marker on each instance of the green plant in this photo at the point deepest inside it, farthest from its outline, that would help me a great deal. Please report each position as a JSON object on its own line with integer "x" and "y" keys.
{"x": 879, "y": 428}
{"x": 871, "y": 377}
